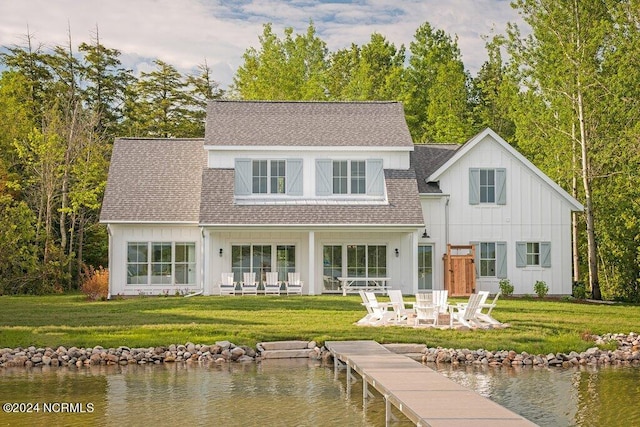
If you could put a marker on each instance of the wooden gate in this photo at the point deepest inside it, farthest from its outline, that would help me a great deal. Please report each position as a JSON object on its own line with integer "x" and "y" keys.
{"x": 459, "y": 270}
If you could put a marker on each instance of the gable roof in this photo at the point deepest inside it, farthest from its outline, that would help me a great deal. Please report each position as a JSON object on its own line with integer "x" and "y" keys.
{"x": 426, "y": 159}
{"x": 154, "y": 180}
{"x": 468, "y": 146}
{"x": 305, "y": 124}
{"x": 218, "y": 207}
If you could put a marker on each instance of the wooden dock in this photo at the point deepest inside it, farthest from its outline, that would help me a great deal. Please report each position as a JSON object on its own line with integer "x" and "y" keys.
{"x": 424, "y": 396}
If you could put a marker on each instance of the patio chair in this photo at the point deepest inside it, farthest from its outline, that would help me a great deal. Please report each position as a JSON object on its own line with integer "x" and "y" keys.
{"x": 272, "y": 284}
{"x": 426, "y": 310}
{"x": 249, "y": 285}
{"x": 377, "y": 313}
{"x": 227, "y": 285}
{"x": 467, "y": 313}
{"x": 486, "y": 317}
{"x": 439, "y": 299}
{"x": 294, "y": 284}
{"x": 397, "y": 305}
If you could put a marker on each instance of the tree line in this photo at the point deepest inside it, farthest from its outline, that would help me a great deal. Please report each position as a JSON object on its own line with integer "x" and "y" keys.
{"x": 565, "y": 94}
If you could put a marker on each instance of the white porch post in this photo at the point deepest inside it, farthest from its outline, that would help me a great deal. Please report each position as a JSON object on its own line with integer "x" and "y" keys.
{"x": 312, "y": 263}
{"x": 204, "y": 256}
{"x": 415, "y": 239}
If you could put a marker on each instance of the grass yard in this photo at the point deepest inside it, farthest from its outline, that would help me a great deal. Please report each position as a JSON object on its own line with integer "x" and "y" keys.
{"x": 537, "y": 326}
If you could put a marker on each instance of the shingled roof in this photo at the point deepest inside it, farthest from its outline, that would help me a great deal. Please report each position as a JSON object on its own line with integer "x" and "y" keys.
{"x": 273, "y": 123}
{"x": 154, "y": 180}
{"x": 218, "y": 207}
{"x": 426, "y": 159}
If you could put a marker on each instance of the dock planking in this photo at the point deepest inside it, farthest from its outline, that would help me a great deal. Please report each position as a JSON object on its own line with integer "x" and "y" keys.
{"x": 424, "y": 396}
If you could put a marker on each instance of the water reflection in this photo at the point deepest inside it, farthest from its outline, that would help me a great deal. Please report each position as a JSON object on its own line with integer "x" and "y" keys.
{"x": 580, "y": 396}
{"x": 302, "y": 393}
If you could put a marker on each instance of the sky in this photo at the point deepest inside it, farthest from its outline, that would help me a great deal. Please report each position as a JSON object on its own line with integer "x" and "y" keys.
{"x": 186, "y": 33}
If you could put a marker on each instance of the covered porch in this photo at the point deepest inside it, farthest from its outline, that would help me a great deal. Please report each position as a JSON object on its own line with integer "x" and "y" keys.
{"x": 322, "y": 255}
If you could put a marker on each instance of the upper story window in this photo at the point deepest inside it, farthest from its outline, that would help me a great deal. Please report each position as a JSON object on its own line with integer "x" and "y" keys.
{"x": 349, "y": 177}
{"x": 265, "y": 176}
{"x": 268, "y": 176}
{"x": 342, "y": 177}
{"x": 487, "y": 186}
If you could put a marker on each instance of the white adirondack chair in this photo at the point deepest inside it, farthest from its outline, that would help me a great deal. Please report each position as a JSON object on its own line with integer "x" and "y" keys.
{"x": 426, "y": 310}
{"x": 439, "y": 299}
{"x": 486, "y": 317}
{"x": 398, "y": 306}
{"x": 294, "y": 284}
{"x": 249, "y": 285}
{"x": 227, "y": 286}
{"x": 467, "y": 313}
{"x": 272, "y": 284}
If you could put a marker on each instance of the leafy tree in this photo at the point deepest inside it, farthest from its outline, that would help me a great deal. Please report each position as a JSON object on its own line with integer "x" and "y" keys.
{"x": 436, "y": 75}
{"x": 290, "y": 69}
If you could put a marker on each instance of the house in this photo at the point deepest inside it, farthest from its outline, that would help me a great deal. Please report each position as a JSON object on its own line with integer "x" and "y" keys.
{"x": 329, "y": 190}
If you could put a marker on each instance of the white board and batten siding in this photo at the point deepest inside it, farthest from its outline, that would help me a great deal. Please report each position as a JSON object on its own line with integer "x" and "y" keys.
{"x": 534, "y": 211}
{"x": 123, "y": 234}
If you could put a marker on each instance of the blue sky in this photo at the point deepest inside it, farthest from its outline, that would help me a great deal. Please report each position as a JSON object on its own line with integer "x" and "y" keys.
{"x": 185, "y": 33}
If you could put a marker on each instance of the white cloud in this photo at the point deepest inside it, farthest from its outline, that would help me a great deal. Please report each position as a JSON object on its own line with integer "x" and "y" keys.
{"x": 185, "y": 33}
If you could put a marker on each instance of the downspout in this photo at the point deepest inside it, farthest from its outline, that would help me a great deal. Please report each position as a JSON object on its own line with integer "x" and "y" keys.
{"x": 110, "y": 248}
{"x": 446, "y": 222}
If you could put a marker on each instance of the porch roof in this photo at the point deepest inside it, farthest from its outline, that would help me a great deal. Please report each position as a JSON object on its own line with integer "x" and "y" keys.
{"x": 218, "y": 206}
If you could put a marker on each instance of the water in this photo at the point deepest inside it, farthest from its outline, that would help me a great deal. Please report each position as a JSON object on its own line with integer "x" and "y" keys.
{"x": 298, "y": 393}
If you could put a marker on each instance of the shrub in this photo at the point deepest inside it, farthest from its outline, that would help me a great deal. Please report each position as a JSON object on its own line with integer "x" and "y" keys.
{"x": 95, "y": 283}
{"x": 506, "y": 288}
{"x": 541, "y": 288}
{"x": 579, "y": 290}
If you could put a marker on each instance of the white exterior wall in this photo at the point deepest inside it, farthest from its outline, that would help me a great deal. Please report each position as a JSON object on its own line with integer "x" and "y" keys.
{"x": 390, "y": 160}
{"x": 122, "y": 234}
{"x": 534, "y": 212}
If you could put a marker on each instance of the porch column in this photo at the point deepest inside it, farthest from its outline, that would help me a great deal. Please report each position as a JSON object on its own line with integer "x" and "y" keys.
{"x": 204, "y": 256}
{"x": 311, "y": 279}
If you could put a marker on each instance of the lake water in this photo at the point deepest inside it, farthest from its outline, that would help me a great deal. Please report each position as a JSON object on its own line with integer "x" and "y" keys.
{"x": 295, "y": 393}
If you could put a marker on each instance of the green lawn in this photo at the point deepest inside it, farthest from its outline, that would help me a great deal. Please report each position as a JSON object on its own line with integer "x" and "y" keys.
{"x": 69, "y": 320}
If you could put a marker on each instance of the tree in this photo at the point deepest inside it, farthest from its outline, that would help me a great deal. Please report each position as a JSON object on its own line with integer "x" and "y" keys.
{"x": 561, "y": 64}
{"x": 436, "y": 75}
{"x": 291, "y": 69}
{"x": 370, "y": 72}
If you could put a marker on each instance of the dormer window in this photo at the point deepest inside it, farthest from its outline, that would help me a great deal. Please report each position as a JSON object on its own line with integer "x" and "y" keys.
{"x": 343, "y": 177}
{"x": 349, "y": 177}
{"x": 269, "y": 176}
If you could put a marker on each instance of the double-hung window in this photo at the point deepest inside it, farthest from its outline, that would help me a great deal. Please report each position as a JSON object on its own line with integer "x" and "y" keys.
{"x": 487, "y": 186}
{"x": 349, "y": 177}
{"x": 269, "y": 176}
{"x": 491, "y": 259}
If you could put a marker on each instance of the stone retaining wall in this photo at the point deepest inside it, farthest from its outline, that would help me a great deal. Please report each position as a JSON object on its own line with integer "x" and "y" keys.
{"x": 627, "y": 353}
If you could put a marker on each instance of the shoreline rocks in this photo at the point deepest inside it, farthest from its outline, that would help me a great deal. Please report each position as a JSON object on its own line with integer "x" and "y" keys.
{"x": 627, "y": 352}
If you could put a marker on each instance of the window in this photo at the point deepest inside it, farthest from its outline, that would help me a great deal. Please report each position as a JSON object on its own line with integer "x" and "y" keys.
{"x": 487, "y": 259}
{"x": 532, "y": 254}
{"x": 331, "y": 266}
{"x": 361, "y": 261}
{"x": 338, "y": 177}
{"x": 278, "y": 177}
{"x": 358, "y": 177}
{"x": 268, "y": 177}
{"x": 161, "y": 263}
{"x": 259, "y": 259}
{"x": 425, "y": 267}
{"x": 487, "y": 186}
{"x": 491, "y": 259}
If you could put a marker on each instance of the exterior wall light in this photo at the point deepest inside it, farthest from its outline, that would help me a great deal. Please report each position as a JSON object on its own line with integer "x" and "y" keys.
{"x": 220, "y": 252}
{"x": 397, "y": 253}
